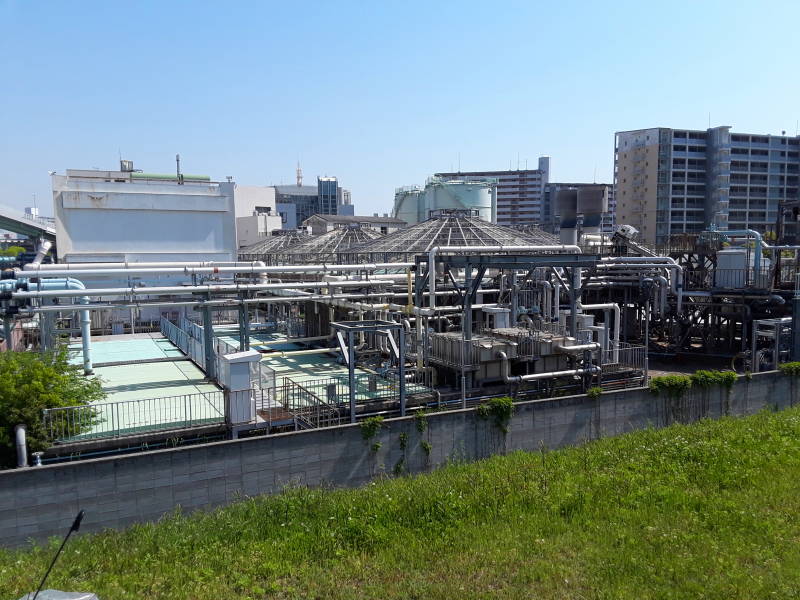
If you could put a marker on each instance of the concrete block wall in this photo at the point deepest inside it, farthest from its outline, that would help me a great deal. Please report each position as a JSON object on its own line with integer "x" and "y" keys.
{"x": 36, "y": 503}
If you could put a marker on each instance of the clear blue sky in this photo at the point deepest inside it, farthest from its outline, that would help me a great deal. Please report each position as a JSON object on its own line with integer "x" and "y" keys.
{"x": 380, "y": 94}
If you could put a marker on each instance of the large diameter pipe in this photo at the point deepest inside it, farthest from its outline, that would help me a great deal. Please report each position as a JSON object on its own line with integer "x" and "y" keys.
{"x": 758, "y": 243}
{"x": 577, "y": 348}
{"x": 73, "y": 288}
{"x": 249, "y": 269}
{"x": 613, "y": 306}
{"x": 186, "y": 289}
{"x": 44, "y": 247}
{"x": 290, "y": 353}
{"x": 508, "y": 378}
{"x": 649, "y": 262}
{"x": 138, "y": 265}
{"x": 22, "y": 446}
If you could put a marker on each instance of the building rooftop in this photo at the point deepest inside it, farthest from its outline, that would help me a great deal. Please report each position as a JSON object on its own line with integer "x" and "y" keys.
{"x": 357, "y": 219}
{"x": 296, "y": 190}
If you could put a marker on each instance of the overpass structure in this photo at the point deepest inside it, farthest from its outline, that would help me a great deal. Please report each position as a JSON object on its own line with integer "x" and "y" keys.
{"x": 17, "y": 221}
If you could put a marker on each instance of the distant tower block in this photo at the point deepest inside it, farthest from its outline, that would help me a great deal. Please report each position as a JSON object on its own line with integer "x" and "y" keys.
{"x": 299, "y": 175}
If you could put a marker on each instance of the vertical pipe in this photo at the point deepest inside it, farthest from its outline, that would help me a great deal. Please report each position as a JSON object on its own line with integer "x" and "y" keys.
{"x": 351, "y": 375}
{"x": 208, "y": 343}
{"x": 7, "y": 332}
{"x": 646, "y": 342}
{"x": 22, "y": 446}
{"x": 86, "y": 337}
{"x": 467, "y": 330}
{"x": 402, "y": 371}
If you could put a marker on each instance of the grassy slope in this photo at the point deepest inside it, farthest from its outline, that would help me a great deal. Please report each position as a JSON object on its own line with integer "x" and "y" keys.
{"x": 704, "y": 511}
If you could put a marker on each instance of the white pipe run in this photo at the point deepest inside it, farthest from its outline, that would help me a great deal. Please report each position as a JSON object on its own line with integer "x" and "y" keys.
{"x": 547, "y": 290}
{"x": 291, "y": 353}
{"x": 74, "y": 289}
{"x": 508, "y": 378}
{"x": 649, "y": 262}
{"x": 22, "y": 446}
{"x": 194, "y": 289}
{"x": 248, "y": 269}
{"x": 44, "y": 247}
{"x": 606, "y": 307}
{"x": 137, "y": 265}
{"x": 484, "y": 250}
{"x": 592, "y": 347}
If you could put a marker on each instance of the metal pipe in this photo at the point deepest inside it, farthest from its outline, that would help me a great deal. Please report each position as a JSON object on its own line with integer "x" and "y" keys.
{"x": 44, "y": 247}
{"x": 22, "y": 446}
{"x": 139, "y": 265}
{"x": 546, "y": 296}
{"x": 290, "y": 353}
{"x": 206, "y": 288}
{"x": 758, "y": 243}
{"x": 592, "y": 347}
{"x": 649, "y": 262}
{"x": 606, "y": 307}
{"x": 72, "y": 288}
{"x": 508, "y": 378}
{"x": 254, "y": 269}
{"x": 484, "y": 250}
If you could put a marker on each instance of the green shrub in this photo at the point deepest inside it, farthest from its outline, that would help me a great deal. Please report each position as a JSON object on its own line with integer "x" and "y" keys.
{"x": 426, "y": 446}
{"x": 594, "y": 392}
{"x": 370, "y": 427}
{"x": 12, "y": 251}
{"x": 500, "y": 408}
{"x": 706, "y": 379}
{"x": 403, "y": 440}
{"x": 31, "y": 382}
{"x": 421, "y": 420}
{"x": 673, "y": 386}
{"x": 790, "y": 368}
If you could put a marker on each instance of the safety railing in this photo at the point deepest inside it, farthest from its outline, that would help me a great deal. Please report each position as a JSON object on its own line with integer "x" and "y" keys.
{"x": 452, "y": 351}
{"x": 188, "y": 337}
{"x": 734, "y": 279}
{"x": 133, "y": 417}
{"x": 625, "y": 357}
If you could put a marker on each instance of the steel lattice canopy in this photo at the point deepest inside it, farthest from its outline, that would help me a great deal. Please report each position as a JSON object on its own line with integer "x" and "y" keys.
{"x": 453, "y": 228}
{"x": 275, "y": 243}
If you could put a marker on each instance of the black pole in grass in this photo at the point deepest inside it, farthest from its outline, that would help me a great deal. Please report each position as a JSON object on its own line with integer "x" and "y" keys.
{"x": 76, "y": 525}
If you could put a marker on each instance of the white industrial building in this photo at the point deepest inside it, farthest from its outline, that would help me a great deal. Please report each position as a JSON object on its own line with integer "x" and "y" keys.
{"x": 126, "y": 216}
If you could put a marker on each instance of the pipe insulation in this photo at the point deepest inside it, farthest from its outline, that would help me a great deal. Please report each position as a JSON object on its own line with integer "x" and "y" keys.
{"x": 508, "y": 378}
{"x": 194, "y": 289}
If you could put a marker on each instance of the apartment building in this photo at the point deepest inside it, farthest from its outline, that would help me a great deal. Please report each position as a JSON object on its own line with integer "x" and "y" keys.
{"x": 520, "y": 193}
{"x": 671, "y": 181}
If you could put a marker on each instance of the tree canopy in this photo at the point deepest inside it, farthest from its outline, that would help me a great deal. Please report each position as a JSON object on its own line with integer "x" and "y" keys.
{"x": 31, "y": 382}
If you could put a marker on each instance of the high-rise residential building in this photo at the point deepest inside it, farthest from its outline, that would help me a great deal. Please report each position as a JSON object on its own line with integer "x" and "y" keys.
{"x": 520, "y": 193}
{"x": 681, "y": 180}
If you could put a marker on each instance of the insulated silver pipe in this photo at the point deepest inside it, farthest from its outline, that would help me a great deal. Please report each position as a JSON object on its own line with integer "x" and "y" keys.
{"x": 485, "y": 250}
{"x": 508, "y": 378}
{"x": 138, "y": 265}
{"x": 249, "y": 269}
{"x": 22, "y": 446}
{"x": 192, "y": 289}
